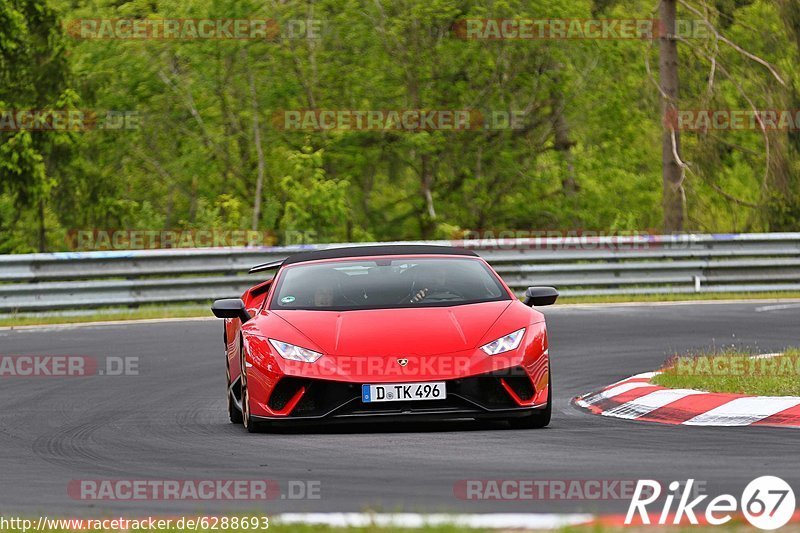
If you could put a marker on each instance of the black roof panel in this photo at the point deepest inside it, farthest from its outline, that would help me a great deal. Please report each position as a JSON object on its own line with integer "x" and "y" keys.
{"x": 368, "y": 251}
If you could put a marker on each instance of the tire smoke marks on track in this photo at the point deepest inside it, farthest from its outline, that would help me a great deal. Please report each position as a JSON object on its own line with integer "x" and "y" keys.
{"x": 55, "y": 366}
{"x": 636, "y": 398}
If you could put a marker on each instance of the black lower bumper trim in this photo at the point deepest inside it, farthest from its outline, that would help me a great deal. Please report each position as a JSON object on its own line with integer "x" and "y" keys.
{"x": 403, "y": 416}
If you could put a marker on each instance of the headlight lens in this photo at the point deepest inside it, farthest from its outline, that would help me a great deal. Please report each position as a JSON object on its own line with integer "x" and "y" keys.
{"x": 504, "y": 344}
{"x": 294, "y": 353}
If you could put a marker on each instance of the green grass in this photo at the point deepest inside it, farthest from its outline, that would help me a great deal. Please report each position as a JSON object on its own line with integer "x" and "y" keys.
{"x": 734, "y": 372}
{"x": 202, "y": 310}
{"x": 102, "y": 315}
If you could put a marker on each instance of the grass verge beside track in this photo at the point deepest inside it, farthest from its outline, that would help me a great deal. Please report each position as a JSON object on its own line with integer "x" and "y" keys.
{"x": 104, "y": 315}
{"x": 678, "y": 297}
{"x": 734, "y": 372}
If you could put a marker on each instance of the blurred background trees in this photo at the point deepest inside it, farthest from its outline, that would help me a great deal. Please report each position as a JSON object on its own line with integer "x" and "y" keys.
{"x": 588, "y": 154}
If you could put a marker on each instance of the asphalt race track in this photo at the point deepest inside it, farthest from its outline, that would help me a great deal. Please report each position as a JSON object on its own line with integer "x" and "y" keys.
{"x": 169, "y": 422}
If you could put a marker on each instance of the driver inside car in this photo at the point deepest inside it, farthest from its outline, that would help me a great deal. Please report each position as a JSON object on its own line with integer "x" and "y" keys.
{"x": 323, "y": 297}
{"x": 433, "y": 285}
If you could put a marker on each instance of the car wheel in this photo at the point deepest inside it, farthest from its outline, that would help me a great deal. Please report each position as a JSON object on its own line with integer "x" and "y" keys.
{"x": 249, "y": 424}
{"x": 233, "y": 412}
{"x": 539, "y": 419}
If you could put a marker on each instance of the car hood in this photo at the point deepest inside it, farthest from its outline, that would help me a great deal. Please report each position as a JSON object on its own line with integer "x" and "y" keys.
{"x": 418, "y": 331}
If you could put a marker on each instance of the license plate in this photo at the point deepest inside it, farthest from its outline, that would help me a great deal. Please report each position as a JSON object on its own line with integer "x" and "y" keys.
{"x": 403, "y": 392}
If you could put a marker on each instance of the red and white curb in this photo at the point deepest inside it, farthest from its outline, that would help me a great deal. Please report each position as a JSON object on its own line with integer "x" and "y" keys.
{"x": 636, "y": 398}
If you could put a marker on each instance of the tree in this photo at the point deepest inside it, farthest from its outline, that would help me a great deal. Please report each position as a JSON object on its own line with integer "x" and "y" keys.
{"x": 672, "y": 166}
{"x": 34, "y": 75}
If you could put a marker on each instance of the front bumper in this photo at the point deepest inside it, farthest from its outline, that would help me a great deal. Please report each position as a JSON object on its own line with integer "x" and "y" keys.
{"x": 502, "y": 394}
{"x": 504, "y": 385}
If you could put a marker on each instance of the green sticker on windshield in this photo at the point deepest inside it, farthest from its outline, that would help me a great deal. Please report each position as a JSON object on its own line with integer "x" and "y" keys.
{"x": 287, "y": 299}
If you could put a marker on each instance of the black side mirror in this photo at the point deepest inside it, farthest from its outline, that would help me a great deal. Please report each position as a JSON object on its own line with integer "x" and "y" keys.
{"x": 536, "y": 296}
{"x": 230, "y": 308}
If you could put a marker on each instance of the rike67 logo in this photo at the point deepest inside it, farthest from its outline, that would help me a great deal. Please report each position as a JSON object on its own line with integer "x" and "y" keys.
{"x": 767, "y": 502}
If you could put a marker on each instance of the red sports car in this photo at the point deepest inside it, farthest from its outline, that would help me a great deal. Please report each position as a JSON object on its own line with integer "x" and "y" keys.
{"x": 386, "y": 332}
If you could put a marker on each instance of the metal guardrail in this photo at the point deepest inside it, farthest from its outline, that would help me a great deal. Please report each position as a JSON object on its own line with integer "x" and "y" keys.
{"x": 577, "y": 266}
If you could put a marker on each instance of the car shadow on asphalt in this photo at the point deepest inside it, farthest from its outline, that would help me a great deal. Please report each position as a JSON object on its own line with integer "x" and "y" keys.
{"x": 449, "y": 426}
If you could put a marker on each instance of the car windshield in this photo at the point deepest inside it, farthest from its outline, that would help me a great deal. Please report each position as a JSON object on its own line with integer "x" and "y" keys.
{"x": 386, "y": 283}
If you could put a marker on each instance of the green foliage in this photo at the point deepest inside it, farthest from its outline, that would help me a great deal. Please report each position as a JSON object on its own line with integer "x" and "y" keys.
{"x": 33, "y": 75}
{"x": 313, "y": 203}
{"x": 193, "y": 161}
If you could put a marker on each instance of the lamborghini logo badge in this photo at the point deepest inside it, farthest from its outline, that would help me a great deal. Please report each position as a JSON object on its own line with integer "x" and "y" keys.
{"x": 402, "y": 362}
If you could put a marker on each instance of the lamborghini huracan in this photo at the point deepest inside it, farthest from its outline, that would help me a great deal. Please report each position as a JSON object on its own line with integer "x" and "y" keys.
{"x": 385, "y": 333}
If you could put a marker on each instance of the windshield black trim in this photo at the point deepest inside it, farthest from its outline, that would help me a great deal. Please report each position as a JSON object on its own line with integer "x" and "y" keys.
{"x": 341, "y": 309}
{"x": 504, "y": 296}
{"x": 376, "y": 251}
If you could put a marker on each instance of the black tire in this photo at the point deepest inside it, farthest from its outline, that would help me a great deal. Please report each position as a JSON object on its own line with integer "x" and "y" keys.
{"x": 247, "y": 420}
{"x": 538, "y": 419}
{"x": 233, "y": 412}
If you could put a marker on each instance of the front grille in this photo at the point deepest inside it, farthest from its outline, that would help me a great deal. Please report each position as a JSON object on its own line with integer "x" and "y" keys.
{"x": 321, "y": 397}
{"x": 284, "y": 391}
{"x": 483, "y": 392}
{"x": 521, "y": 385}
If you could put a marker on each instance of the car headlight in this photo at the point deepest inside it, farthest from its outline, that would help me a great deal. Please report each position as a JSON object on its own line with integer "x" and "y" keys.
{"x": 294, "y": 353}
{"x": 504, "y": 344}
